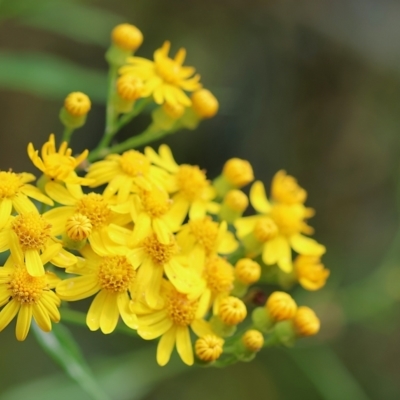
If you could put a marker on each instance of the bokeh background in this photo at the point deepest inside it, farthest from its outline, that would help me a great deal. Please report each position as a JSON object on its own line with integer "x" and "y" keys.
{"x": 309, "y": 86}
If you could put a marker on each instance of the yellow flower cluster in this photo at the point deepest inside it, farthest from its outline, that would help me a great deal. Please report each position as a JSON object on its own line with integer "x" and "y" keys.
{"x": 160, "y": 247}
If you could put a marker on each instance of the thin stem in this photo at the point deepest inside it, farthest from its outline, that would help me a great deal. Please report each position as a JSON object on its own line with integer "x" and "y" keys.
{"x": 67, "y": 134}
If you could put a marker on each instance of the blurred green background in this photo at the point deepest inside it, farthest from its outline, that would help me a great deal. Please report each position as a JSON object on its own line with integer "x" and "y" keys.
{"x": 310, "y": 86}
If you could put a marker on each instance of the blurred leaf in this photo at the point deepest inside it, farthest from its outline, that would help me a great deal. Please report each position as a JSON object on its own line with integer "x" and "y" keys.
{"x": 11, "y": 8}
{"x": 61, "y": 346}
{"x": 128, "y": 377}
{"x": 328, "y": 373}
{"x": 75, "y": 20}
{"x": 49, "y": 76}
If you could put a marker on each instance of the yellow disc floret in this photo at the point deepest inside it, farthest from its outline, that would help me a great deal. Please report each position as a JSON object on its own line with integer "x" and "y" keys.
{"x": 77, "y": 104}
{"x": 209, "y": 348}
{"x": 281, "y": 306}
{"x": 78, "y": 227}
{"x": 10, "y": 184}
{"x": 32, "y": 231}
{"x": 236, "y": 200}
{"x": 191, "y": 182}
{"x": 115, "y": 274}
{"x": 253, "y": 340}
{"x": 265, "y": 229}
{"x": 160, "y": 253}
{"x": 305, "y": 321}
{"x": 232, "y": 311}
{"x": 219, "y": 275}
{"x": 95, "y": 208}
{"x": 247, "y": 271}
{"x": 204, "y": 103}
{"x": 134, "y": 163}
{"x": 156, "y": 202}
{"x": 180, "y": 309}
{"x": 26, "y": 289}
{"x": 205, "y": 231}
{"x": 129, "y": 87}
{"x": 238, "y": 172}
{"x": 286, "y": 190}
{"x": 127, "y": 37}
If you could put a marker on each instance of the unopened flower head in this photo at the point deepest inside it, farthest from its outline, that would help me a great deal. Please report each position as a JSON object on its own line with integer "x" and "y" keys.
{"x": 253, "y": 340}
{"x": 247, "y": 271}
{"x": 285, "y": 189}
{"x": 204, "y": 103}
{"x": 127, "y": 37}
{"x": 281, "y": 306}
{"x": 78, "y": 227}
{"x": 310, "y": 272}
{"x": 232, "y": 311}
{"x": 209, "y": 348}
{"x": 236, "y": 200}
{"x": 305, "y": 321}
{"x": 175, "y": 111}
{"x": 77, "y": 104}
{"x": 238, "y": 172}
{"x": 129, "y": 87}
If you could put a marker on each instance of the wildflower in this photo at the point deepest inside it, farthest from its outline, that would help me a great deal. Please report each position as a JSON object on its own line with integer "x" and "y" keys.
{"x": 126, "y": 173}
{"x": 247, "y": 271}
{"x": 253, "y": 340}
{"x": 172, "y": 323}
{"x": 284, "y": 189}
{"x": 238, "y": 172}
{"x": 15, "y": 192}
{"x": 127, "y": 37}
{"x": 280, "y": 306}
{"x": 310, "y": 272}
{"x": 165, "y": 78}
{"x": 190, "y": 186}
{"x": 204, "y": 104}
{"x": 305, "y": 322}
{"x": 77, "y": 104}
{"x": 209, "y": 348}
{"x": 28, "y": 296}
{"x": 110, "y": 276}
{"x": 232, "y": 311}
{"x": 233, "y": 206}
{"x": 129, "y": 88}
{"x": 58, "y": 165}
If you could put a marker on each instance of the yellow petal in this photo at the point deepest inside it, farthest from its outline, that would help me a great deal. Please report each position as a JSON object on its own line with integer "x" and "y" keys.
{"x": 5, "y": 211}
{"x": 23, "y": 205}
{"x": 258, "y": 198}
{"x": 152, "y": 318}
{"x": 50, "y": 304}
{"x": 4, "y": 240}
{"x": 150, "y": 332}
{"x": 165, "y": 347}
{"x": 59, "y": 193}
{"x": 35, "y": 193}
{"x": 127, "y": 315}
{"x": 33, "y": 262}
{"x": 41, "y": 317}
{"x": 8, "y": 313}
{"x": 201, "y": 327}
{"x": 110, "y": 314}
{"x": 273, "y": 249}
{"x": 245, "y": 225}
{"x": 95, "y": 311}
{"x": 184, "y": 344}
{"x": 23, "y": 322}
{"x": 162, "y": 231}
{"x": 197, "y": 210}
{"x": 78, "y": 288}
{"x": 307, "y": 246}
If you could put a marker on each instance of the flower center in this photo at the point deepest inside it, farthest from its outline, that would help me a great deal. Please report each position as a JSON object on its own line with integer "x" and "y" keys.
{"x": 94, "y": 207}
{"x": 206, "y": 233}
{"x": 288, "y": 218}
{"x": 156, "y": 202}
{"x": 32, "y": 230}
{"x": 26, "y": 289}
{"x": 58, "y": 166}
{"x": 191, "y": 182}
{"x": 168, "y": 70}
{"x": 78, "y": 227}
{"x": 116, "y": 274}
{"x": 265, "y": 229}
{"x": 10, "y": 183}
{"x": 134, "y": 163}
{"x": 219, "y": 275}
{"x": 180, "y": 309}
{"x": 159, "y": 253}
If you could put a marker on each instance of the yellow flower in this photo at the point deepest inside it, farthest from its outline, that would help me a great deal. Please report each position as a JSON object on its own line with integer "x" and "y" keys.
{"x": 305, "y": 322}
{"x": 284, "y": 189}
{"x": 77, "y": 104}
{"x": 232, "y": 311}
{"x": 204, "y": 103}
{"x": 126, "y": 173}
{"x": 30, "y": 237}
{"x": 247, "y": 271}
{"x": 310, "y": 272}
{"x": 209, "y": 348}
{"x": 277, "y": 229}
{"x": 58, "y": 165}
{"x": 165, "y": 78}
{"x": 127, "y": 37}
{"x": 14, "y": 193}
{"x": 281, "y": 306}
{"x": 190, "y": 186}
{"x": 253, "y": 340}
{"x": 111, "y": 276}
{"x": 172, "y": 324}
{"x": 28, "y": 296}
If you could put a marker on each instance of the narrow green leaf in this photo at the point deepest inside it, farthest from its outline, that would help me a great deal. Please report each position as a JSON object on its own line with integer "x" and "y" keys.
{"x": 49, "y": 76}
{"x": 61, "y": 346}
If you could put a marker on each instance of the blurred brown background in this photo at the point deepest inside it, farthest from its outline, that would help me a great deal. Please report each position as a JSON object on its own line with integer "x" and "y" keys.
{"x": 309, "y": 86}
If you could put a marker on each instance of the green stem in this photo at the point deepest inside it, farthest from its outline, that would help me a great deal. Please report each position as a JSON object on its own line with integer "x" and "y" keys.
{"x": 67, "y": 134}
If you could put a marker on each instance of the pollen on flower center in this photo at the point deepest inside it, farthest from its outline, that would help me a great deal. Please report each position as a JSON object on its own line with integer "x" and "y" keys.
{"x": 159, "y": 253}
{"x": 94, "y": 207}
{"x": 58, "y": 166}
{"x": 156, "y": 202}
{"x": 134, "y": 163}
{"x": 32, "y": 230}
{"x": 180, "y": 309}
{"x": 10, "y": 182}
{"x": 116, "y": 274}
{"x": 288, "y": 218}
{"x": 168, "y": 69}
{"x": 206, "y": 232}
{"x": 265, "y": 229}
{"x": 219, "y": 275}
{"x": 26, "y": 289}
{"x": 191, "y": 181}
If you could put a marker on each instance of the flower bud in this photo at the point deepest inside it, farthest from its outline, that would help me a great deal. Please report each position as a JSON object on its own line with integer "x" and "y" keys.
{"x": 209, "y": 348}
{"x": 310, "y": 272}
{"x": 247, "y": 271}
{"x": 305, "y": 322}
{"x": 76, "y": 107}
{"x": 175, "y": 111}
{"x": 265, "y": 229}
{"x": 129, "y": 87}
{"x": 281, "y": 306}
{"x": 232, "y": 311}
{"x": 238, "y": 172}
{"x": 77, "y": 228}
{"x": 204, "y": 103}
{"x": 253, "y": 340}
{"x": 285, "y": 189}
{"x": 234, "y": 204}
{"x": 127, "y": 37}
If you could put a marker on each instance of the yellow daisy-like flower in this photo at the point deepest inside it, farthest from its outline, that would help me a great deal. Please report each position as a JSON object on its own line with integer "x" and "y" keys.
{"x": 164, "y": 78}
{"x": 202, "y": 238}
{"x": 190, "y": 186}
{"x": 310, "y": 272}
{"x": 172, "y": 323}
{"x": 14, "y": 193}
{"x": 94, "y": 206}
{"x": 58, "y": 165}
{"x": 277, "y": 229}
{"x": 126, "y": 173}
{"x": 30, "y": 237}
{"x": 28, "y": 296}
{"x": 111, "y": 276}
